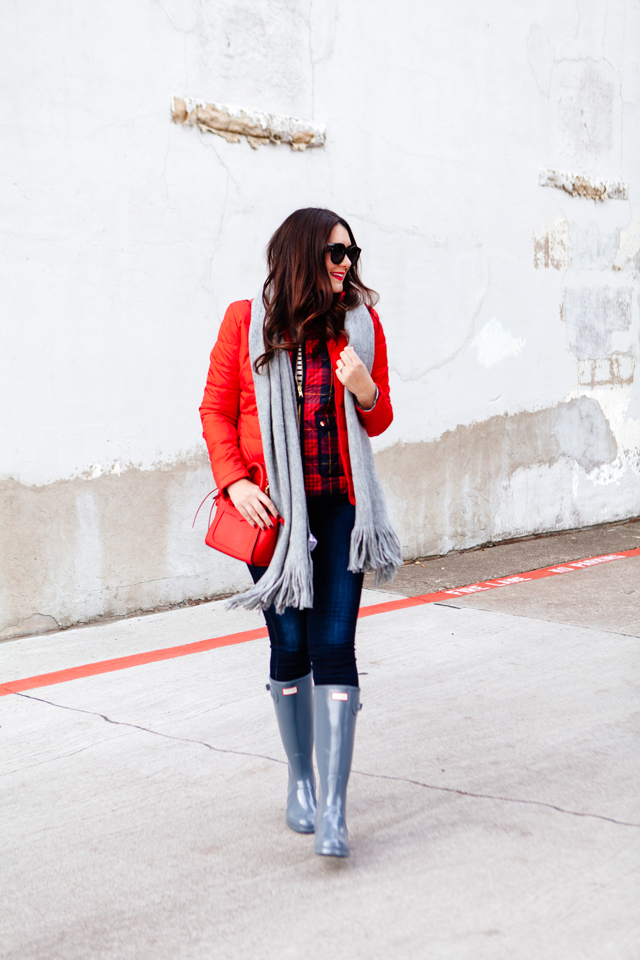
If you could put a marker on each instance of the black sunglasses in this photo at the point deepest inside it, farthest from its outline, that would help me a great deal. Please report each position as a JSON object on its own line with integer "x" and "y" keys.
{"x": 338, "y": 250}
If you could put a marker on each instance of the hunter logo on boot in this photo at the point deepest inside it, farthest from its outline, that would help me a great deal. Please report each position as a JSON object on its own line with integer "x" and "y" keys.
{"x": 339, "y": 695}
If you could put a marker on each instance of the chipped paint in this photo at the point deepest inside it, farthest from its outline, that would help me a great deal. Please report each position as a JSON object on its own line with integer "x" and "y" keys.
{"x": 615, "y": 400}
{"x": 617, "y": 369}
{"x": 590, "y": 248}
{"x": 593, "y": 316}
{"x": 629, "y": 247}
{"x": 551, "y": 245}
{"x": 525, "y": 474}
{"x": 583, "y": 185}
{"x": 233, "y": 123}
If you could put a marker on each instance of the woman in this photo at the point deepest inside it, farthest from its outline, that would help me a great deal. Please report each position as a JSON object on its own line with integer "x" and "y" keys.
{"x": 299, "y": 381}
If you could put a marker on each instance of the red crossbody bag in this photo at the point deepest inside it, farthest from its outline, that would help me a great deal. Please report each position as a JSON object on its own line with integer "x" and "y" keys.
{"x": 230, "y": 533}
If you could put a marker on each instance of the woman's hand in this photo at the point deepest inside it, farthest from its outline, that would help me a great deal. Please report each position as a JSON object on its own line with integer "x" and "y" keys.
{"x": 252, "y": 503}
{"x": 351, "y": 371}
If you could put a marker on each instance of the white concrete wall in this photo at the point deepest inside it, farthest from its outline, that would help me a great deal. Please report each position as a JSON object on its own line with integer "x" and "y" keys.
{"x": 511, "y": 309}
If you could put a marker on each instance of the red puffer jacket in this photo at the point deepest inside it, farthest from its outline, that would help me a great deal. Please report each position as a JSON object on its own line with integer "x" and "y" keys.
{"x": 229, "y": 413}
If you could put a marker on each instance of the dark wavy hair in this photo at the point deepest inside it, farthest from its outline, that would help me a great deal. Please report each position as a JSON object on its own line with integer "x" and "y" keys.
{"x": 297, "y": 294}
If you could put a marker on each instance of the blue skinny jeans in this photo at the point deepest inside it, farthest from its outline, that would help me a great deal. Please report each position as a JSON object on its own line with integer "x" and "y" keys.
{"x": 321, "y": 639}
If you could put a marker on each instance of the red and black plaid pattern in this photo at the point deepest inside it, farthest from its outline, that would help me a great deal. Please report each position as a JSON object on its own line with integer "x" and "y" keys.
{"x": 323, "y": 471}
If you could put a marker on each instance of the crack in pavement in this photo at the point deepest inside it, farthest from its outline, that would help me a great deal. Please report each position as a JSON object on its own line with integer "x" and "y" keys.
{"x": 491, "y": 796}
{"x": 361, "y": 773}
{"x": 156, "y": 733}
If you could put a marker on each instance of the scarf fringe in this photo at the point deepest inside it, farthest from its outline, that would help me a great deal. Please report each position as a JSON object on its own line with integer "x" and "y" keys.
{"x": 377, "y": 550}
{"x": 293, "y": 588}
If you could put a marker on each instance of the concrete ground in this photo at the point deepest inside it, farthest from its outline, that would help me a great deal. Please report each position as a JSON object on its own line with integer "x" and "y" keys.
{"x": 429, "y": 574}
{"x": 494, "y": 805}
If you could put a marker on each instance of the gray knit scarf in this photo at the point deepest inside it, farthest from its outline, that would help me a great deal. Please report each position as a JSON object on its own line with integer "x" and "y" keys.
{"x": 288, "y": 581}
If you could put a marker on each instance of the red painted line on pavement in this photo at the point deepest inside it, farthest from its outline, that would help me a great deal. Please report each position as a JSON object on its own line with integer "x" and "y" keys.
{"x": 169, "y": 653}
{"x": 391, "y": 605}
{"x": 122, "y": 663}
{"x": 554, "y": 571}
{"x": 557, "y": 570}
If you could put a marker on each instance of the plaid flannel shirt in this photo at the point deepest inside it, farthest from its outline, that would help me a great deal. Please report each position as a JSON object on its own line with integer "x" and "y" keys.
{"x": 322, "y": 465}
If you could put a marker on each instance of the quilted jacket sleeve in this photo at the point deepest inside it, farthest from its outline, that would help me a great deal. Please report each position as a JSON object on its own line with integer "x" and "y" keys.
{"x": 376, "y": 420}
{"x": 220, "y": 406}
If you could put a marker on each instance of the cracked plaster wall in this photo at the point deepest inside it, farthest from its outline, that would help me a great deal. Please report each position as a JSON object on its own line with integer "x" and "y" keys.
{"x": 511, "y": 310}
{"x": 74, "y": 550}
{"x": 475, "y": 484}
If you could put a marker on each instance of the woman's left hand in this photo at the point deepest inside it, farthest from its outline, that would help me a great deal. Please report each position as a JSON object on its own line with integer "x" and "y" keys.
{"x": 351, "y": 371}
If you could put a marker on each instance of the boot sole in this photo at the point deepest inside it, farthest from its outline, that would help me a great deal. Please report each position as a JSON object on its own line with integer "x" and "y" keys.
{"x": 335, "y": 852}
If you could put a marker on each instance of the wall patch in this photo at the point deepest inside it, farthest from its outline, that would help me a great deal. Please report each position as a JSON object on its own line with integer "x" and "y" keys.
{"x": 582, "y": 185}
{"x": 233, "y": 123}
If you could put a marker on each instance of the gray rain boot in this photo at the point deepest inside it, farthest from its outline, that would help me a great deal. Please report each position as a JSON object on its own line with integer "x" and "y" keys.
{"x": 294, "y": 712}
{"x": 336, "y": 709}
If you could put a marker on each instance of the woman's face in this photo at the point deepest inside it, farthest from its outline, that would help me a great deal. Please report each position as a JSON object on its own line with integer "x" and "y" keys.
{"x": 337, "y": 272}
